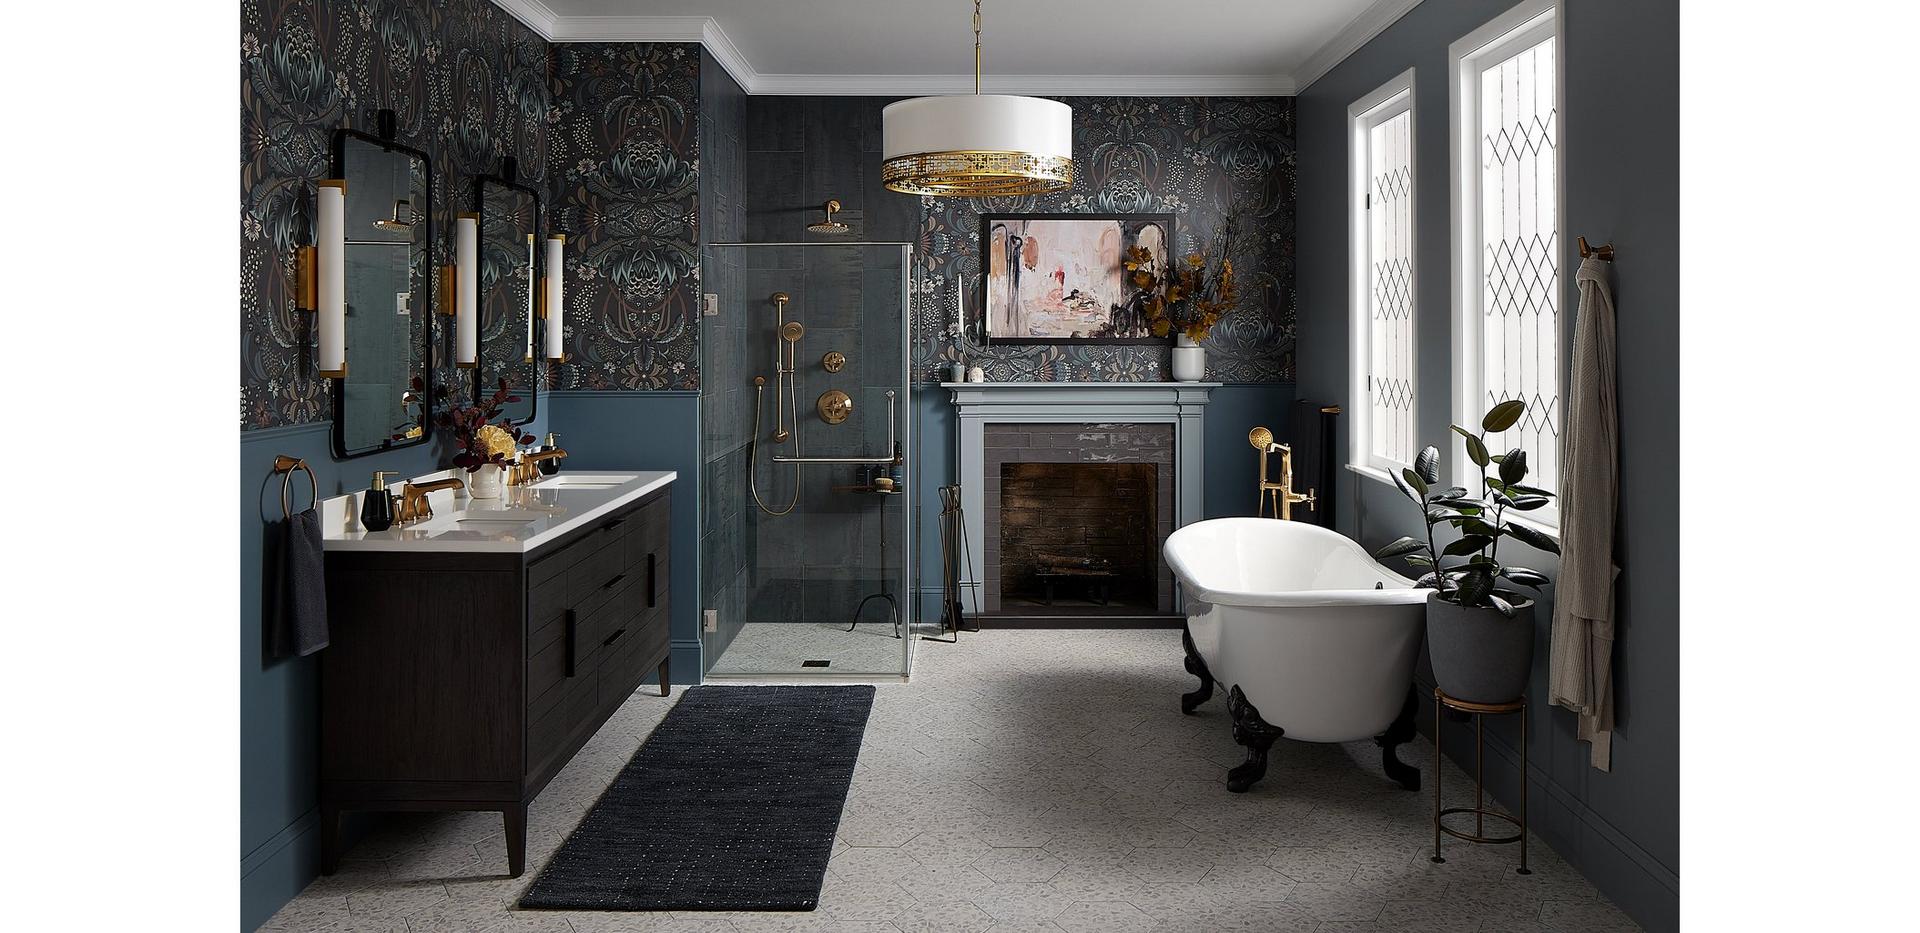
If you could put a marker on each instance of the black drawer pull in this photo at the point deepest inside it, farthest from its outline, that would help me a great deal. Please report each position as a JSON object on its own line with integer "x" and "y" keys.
{"x": 653, "y": 588}
{"x": 573, "y": 633}
{"x": 613, "y": 638}
{"x": 616, "y": 579}
{"x": 613, "y": 524}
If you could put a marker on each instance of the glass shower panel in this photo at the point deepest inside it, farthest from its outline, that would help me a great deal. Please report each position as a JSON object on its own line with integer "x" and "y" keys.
{"x": 804, "y": 413}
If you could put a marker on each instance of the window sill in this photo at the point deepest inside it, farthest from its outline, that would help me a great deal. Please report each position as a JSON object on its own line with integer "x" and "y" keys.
{"x": 1373, "y": 473}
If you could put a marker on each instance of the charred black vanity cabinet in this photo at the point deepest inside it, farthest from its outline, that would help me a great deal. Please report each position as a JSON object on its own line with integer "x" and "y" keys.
{"x": 466, "y": 681}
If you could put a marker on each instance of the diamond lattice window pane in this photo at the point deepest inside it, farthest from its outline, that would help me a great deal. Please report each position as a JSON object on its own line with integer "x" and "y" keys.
{"x": 1390, "y": 279}
{"x": 1520, "y": 297}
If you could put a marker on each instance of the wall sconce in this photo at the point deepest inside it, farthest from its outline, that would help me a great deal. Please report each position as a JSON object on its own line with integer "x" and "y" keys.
{"x": 321, "y": 276}
{"x": 466, "y": 290}
{"x": 554, "y": 312}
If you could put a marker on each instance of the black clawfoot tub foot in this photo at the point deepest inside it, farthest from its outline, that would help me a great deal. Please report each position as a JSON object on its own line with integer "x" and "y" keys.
{"x": 1253, "y": 733}
{"x": 1401, "y": 731}
{"x": 1198, "y": 668}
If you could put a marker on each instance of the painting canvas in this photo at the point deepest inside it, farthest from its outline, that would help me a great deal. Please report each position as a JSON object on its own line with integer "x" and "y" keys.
{"x": 1059, "y": 278}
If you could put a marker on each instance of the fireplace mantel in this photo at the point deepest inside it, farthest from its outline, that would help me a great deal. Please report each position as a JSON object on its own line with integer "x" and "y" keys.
{"x": 1181, "y": 404}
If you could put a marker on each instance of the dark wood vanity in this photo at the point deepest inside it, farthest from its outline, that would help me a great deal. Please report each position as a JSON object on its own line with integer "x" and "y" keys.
{"x": 466, "y": 681}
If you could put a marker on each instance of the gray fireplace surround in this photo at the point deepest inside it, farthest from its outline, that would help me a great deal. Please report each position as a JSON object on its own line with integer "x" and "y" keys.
{"x": 1075, "y": 405}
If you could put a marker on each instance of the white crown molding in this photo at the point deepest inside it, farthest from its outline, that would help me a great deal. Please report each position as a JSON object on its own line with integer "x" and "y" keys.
{"x": 536, "y": 15}
{"x": 1371, "y": 22}
{"x": 1042, "y": 85}
{"x": 706, "y": 31}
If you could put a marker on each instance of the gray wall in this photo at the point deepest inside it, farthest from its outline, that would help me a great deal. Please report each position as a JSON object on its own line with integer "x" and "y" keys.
{"x": 1621, "y": 133}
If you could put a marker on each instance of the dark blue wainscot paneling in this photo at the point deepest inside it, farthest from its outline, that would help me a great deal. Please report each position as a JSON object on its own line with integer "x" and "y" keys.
{"x": 657, "y": 430}
{"x": 279, "y": 849}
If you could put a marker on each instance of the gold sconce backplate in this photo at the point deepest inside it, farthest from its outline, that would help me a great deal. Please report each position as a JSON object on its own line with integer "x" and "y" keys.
{"x": 834, "y": 406}
{"x": 834, "y": 361}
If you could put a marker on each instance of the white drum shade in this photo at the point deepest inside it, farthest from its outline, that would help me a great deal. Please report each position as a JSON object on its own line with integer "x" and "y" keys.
{"x": 977, "y": 145}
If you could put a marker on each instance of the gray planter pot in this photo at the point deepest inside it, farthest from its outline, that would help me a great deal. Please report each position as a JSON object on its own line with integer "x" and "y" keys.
{"x": 1479, "y": 655}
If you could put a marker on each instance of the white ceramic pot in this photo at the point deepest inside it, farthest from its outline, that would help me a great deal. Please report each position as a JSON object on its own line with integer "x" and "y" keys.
{"x": 1189, "y": 360}
{"x": 484, "y": 483}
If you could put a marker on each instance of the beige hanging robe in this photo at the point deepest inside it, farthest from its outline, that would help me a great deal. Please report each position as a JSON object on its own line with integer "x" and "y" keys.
{"x": 1581, "y": 676}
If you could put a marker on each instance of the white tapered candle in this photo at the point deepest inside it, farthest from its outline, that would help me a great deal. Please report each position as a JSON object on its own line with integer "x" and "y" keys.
{"x": 466, "y": 276}
{"x": 330, "y": 238}
{"x": 556, "y": 292}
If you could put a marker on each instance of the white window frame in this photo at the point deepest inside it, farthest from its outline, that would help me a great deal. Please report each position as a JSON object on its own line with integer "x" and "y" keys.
{"x": 1387, "y": 101}
{"x": 1519, "y": 28}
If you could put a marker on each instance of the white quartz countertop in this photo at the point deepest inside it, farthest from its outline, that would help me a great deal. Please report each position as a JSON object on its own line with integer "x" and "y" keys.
{"x": 521, "y": 520}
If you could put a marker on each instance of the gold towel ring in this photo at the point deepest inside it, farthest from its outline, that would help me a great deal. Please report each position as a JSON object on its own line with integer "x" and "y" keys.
{"x": 285, "y": 465}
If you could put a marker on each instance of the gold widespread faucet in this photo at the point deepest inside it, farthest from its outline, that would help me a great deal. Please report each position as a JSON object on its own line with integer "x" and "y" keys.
{"x": 1280, "y": 493}
{"x": 526, "y": 471}
{"x": 413, "y": 498}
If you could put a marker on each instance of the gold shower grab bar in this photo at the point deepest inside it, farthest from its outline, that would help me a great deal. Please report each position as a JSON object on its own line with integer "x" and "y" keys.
{"x": 892, "y": 446}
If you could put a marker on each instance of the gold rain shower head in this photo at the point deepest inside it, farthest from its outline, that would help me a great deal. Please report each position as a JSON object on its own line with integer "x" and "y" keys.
{"x": 829, "y": 225}
{"x": 402, "y": 218}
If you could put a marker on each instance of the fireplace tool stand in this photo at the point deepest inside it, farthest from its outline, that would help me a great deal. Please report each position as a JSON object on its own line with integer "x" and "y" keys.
{"x": 956, "y": 565}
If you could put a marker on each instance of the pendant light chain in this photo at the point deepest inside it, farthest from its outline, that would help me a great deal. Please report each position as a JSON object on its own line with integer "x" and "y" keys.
{"x": 976, "y": 47}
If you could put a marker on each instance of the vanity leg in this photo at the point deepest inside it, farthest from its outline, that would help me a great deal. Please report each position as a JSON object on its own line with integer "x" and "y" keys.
{"x": 516, "y": 819}
{"x": 329, "y": 839}
{"x": 1401, "y": 731}
{"x": 663, "y": 677}
{"x": 1256, "y": 735}
{"x": 1198, "y": 668}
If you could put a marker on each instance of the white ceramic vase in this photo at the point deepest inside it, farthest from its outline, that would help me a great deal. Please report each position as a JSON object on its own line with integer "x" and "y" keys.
{"x": 484, "y": 483}
{"x": 1189, "y": 360}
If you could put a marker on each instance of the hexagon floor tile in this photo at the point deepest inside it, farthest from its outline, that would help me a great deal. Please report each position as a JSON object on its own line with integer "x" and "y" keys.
{"x": 1024, "y": 782}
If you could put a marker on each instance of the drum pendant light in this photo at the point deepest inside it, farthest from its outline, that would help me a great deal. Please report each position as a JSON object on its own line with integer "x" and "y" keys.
{"x": 978, "y": 145}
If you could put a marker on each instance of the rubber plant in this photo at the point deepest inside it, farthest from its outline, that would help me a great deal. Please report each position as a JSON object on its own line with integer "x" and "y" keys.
{"x": 1476, "y": 578}
{"x": 477, "y": 441}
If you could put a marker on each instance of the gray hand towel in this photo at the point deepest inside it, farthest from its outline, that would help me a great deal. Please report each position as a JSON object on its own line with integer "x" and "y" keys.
{"x": 299, "y": 623}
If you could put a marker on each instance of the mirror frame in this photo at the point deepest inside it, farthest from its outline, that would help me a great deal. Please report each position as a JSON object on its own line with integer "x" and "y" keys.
{"x": 340, "y": 451}
{"x": 508, "y": 179}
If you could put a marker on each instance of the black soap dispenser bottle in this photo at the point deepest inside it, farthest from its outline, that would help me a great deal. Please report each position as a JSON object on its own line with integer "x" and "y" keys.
{"x": 551, "y": 465}
{"x": 376, "y": 505}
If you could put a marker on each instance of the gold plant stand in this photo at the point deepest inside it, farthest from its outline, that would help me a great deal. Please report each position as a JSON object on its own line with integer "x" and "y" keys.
{"x": 1480, "y": 810}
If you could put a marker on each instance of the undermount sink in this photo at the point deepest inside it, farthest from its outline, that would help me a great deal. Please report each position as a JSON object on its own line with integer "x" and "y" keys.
{"x": 579, "y": 481}
{"x": 483, "y": 520}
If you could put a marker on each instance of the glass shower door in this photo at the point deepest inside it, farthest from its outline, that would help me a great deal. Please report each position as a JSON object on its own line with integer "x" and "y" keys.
{"x": 804, "y": 411}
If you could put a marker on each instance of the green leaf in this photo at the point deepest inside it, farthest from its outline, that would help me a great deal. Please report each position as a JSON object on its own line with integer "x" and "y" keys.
{"x": 1405, "y": 545}
{"x": 1463, "y": 432}
{"x": 1506, "y": 608}
{"x": 1477, "y": 451}
{"x": 1534, "y": 538}
{"x": 1413, "y": 479}
{"x": 1525, "y": 576}
{"x": 1427, "y": 464}
{"x": 1476, "y": 526}
{"x": 1529, "y": 503}
{"x": 1461, "y": 502}
{"x": 1469, "y": 544}
{"x": 1513, "y": 467}
{"x": 1419, "y": 560}
{"x": 1474, "y": 588}
{"x": 1404, "y": 488}
{"x": 1503, "y": 416}
{"x": 1452, "y": 492}
{"x": 1527, "y": 490}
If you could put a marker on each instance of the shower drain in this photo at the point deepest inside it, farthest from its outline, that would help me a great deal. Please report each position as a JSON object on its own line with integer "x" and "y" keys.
{"x": 815, "y": 663}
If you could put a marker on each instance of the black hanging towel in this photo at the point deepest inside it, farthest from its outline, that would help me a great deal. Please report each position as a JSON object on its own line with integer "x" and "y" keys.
{"x": 1314, "y": 464}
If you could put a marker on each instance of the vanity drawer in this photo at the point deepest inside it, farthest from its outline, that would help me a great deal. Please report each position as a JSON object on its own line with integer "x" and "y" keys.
{"x": 634, "y": 658}
{"x": 562, "y": 661}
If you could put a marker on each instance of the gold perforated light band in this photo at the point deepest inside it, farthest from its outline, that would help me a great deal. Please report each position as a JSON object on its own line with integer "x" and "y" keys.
{"x": 977, "y": 174}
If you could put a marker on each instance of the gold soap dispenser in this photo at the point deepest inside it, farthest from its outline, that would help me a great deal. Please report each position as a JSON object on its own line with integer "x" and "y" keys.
{"x": 376, "y": 505}
{"x": 550, "y": 465}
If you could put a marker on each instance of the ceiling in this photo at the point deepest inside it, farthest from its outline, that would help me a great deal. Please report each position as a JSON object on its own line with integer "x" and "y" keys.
{"x": 1030, "y": 46}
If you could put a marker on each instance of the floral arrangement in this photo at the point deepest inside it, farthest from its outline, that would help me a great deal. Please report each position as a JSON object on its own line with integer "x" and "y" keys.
{"x": 477, "y": 440}
{"x": 1190, "y": 299}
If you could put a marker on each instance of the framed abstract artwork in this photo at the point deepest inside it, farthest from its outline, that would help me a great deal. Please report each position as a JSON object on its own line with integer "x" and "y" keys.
{"x": 1060, "y": 278}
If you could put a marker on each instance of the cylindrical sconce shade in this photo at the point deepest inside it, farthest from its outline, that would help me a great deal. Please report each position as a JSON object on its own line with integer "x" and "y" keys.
{"x": 330, "y": 241}
{"x": 554, "y": 335}
{"x": 466, "y": 277}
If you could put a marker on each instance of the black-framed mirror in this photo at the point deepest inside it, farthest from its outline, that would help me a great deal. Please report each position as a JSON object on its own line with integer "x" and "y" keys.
{"x": 386, "y": 400}
{"x": 509, "y": 261}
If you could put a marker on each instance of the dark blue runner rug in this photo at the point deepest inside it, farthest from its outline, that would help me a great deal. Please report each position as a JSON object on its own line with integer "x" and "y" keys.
{"x": 731, "y": 804}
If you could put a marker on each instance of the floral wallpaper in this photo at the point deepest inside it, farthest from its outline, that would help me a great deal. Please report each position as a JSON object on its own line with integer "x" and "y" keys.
{"x": 468, "y": 84}
{"x": 626, "y": 157}
{"x": 1200, "y": 158}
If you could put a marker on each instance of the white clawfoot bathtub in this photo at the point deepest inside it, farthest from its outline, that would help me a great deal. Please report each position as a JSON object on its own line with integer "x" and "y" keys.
{"x": 1312, "y": 639}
